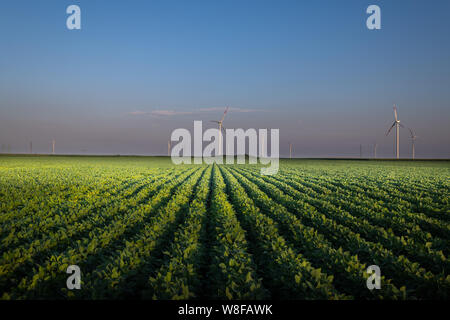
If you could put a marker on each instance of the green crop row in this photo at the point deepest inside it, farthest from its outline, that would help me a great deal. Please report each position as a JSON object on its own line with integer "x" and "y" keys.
{"x": 84, "y": 252}
{"x": 232, "y": 267}
{"x": 289, "y": 274}
{"x": 417, "y": 280}
{"x": 178, "y": 277}
{"x": 411, "y": 247}
{"x": 350, "y": 273}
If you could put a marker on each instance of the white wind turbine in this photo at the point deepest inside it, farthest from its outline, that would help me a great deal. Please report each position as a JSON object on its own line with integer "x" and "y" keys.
{"x": 220, "y": 122}
{"x": 397, "y": 126}
{"x": 413, "y": 140}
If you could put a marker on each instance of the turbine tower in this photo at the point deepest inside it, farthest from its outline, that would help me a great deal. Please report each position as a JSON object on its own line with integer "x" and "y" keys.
{"x": 397, "y": 126}
{"x": 375, "y": 146}
{"x": 220, "y": 122}
{"x": 31, "y": 147}
{"x": 168, "y": 148}
{"x": 413, "y": 140}
{"x": 290, "y": 150}
{"x": 53, "y": 146}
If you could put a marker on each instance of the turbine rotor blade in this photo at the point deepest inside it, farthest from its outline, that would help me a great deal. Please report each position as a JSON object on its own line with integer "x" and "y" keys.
{"x": 223, "y": 117}
{"x": 395, "y": 113}
{"x": 393, "y": 125}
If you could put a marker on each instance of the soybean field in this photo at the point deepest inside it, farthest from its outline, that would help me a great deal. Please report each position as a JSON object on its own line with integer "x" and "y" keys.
{"x": 143, "y": 228}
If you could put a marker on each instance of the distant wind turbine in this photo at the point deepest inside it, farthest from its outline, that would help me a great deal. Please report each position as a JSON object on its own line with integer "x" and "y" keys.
{"x": 220, "y": 122}
{"x": 413, "y": 140}
{"x": 290, "y": 150}
{"x": 375, "y": 146}
{"x": 53, "y": 146}
{"x": 397, "y": 126}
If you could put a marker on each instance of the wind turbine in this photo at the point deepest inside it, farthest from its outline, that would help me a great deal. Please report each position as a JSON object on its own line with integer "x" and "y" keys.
{"x": 290, "y": 150}
{"x": 220, "y": 122}
{"x": 375, "y": 146}
{"x": 53, "y": 146}
{"x": 397, "y": 126}
{"x": 413, "y": 140}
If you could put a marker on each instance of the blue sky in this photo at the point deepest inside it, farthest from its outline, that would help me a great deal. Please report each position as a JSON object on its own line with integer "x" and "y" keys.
{"x": 139, "y": 69}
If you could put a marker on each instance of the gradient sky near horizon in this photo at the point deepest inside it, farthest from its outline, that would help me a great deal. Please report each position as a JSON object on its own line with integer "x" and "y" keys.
{"x": 139, "y": 69}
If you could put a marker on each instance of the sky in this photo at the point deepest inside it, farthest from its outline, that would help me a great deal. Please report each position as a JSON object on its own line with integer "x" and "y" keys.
{"x": 137, "y": 70}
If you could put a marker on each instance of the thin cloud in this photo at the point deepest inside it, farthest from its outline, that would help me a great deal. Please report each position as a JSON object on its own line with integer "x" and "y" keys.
{"x": 164, "y": 113}
{"x": 137, "y": 113}
{"x": 229, "y": 110}
{"x": 168, "y": 113}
